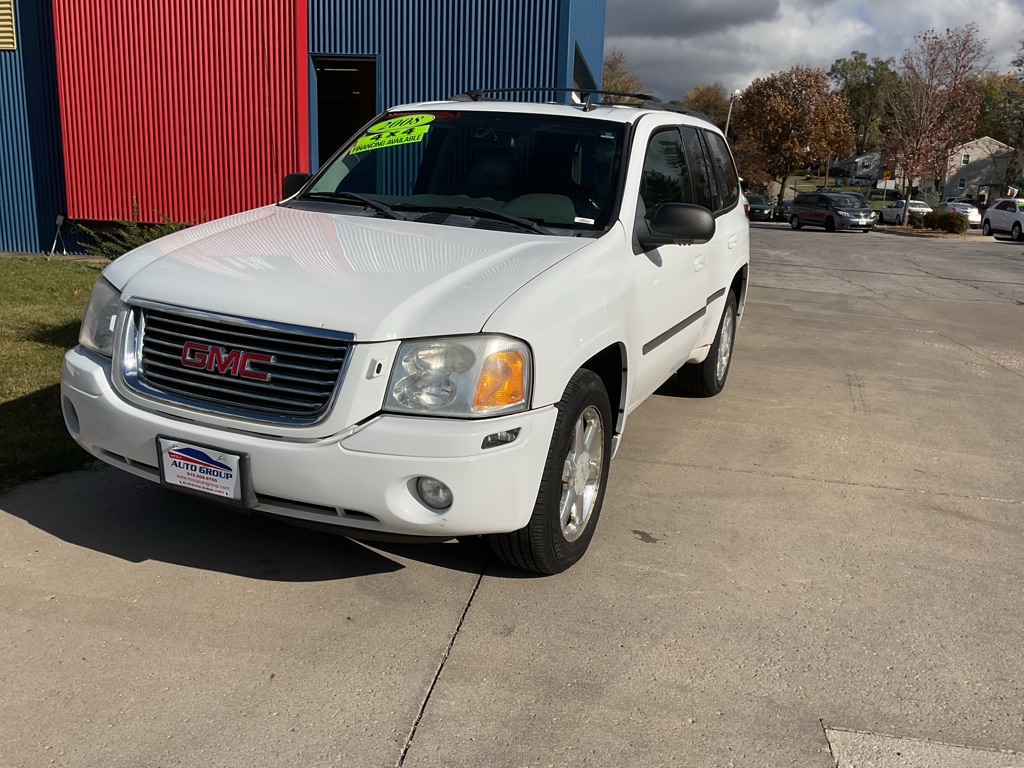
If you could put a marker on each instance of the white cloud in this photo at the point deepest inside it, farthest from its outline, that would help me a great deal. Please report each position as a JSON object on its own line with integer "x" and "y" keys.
{"x": 676, "y": 45}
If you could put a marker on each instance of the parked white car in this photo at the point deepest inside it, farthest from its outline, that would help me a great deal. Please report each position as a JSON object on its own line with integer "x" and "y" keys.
{"x": 442, "y": 333}
{"x": 1005, "y": 216}
{"x": 895, "y": 213}
{"x": 959, "y": 206}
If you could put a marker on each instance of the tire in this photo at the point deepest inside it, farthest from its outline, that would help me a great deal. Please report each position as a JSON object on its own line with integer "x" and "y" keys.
{"x": 899, "y": 220}
{"x": 1015, "y": 233}
{"x": 830, "y": 224}
{"x": 707, "y": 379}
{"x": 794, "y": 222}
{"x": 986, "y": 229}
{"x": 572, "y": 486}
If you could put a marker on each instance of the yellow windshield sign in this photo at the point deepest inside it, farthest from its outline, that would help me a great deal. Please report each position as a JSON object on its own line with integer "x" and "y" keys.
{"x": 407, "y": 129}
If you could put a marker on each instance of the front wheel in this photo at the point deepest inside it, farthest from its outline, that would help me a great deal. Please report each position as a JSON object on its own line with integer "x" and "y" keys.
{"x": 1015, "y": 232}
{"x": 794, "y": 222}
{"x": 572, "y": 486}
{"x": 986, "y": 229}
{"x": 707, "y": 379}
{"x": 830, "y": 224}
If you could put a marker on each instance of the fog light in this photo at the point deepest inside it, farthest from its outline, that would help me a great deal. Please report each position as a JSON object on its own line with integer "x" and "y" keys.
{"x": 70, "y": 417}
{"x": 434, "y": 493}
{"x": 500, "y": 438}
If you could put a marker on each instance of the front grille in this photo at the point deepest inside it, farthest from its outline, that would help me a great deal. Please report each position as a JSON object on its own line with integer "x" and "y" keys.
{"x": 251, "y": 369}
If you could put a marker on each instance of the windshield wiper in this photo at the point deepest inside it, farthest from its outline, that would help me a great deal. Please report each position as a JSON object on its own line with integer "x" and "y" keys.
{"x": 487, "y": 213}
{"x": 353, "y": 197}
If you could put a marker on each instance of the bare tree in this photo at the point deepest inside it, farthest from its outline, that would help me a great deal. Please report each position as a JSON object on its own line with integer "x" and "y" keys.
{"x": 616, "y": 76}
{"x": 933, "y": 106}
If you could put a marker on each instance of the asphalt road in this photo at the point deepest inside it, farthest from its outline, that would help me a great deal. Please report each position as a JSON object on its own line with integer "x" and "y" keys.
{"x": 820, "y": 567}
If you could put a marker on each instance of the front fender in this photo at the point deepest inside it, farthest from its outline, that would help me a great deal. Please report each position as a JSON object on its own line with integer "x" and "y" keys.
{"x": 570, "y": 312}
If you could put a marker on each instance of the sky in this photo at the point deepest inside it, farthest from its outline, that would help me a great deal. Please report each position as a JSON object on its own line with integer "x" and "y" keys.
{"x": 674, "y": 45}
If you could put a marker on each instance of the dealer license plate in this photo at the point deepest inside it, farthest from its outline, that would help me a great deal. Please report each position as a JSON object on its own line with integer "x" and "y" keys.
{"x": 203, "y": 470}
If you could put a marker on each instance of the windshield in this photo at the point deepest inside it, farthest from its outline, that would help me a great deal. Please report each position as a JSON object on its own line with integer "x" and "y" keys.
{"x": 845, "y": 201}
{"x": 557, "y": 172}
{"x": 755, "y": 200}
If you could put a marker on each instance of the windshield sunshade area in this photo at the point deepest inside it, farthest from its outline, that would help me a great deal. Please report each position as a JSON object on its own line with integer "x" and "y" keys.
{"x": 491, "y": 170}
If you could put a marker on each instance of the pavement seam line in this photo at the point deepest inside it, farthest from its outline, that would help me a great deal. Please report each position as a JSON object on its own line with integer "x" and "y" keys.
{"x": 873, "y": 486}
{"x": 982, "y": 355}
{"x": 828, "y": 742}
{"x": 440, "y": 668}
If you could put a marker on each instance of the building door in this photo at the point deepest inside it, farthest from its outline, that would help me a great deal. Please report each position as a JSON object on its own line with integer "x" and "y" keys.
{"x": 346, "y": 98}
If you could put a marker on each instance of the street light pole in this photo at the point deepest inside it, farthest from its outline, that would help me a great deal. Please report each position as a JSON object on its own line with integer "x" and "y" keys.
{"x": 728, "y": 116}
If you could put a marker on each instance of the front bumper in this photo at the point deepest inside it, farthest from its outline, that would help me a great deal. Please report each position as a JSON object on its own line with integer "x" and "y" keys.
{"x": 362, "y": 478}
{"x": 865, "y": 223}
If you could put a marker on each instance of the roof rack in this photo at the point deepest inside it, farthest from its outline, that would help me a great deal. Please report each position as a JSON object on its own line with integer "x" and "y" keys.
{"x": 646, "y": 100}
{"x": 481, "y": 94}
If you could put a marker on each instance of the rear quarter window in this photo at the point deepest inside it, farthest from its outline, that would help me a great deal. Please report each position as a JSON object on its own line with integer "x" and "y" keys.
{"x": 725, "y": 169}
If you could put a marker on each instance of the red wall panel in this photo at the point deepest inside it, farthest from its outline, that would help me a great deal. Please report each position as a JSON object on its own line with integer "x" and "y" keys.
{"x": 196, "y": 109}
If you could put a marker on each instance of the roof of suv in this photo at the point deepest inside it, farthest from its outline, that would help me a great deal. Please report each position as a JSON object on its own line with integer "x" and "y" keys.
{"x": 623, "y": 113}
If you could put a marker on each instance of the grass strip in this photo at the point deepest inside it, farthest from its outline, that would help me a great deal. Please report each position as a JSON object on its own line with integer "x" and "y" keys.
{"x": 40, "y": 313}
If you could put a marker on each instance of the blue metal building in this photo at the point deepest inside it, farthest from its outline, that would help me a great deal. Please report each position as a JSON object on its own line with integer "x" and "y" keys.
{"x": 31, "y": 158}
{"x": 366, "y": 55}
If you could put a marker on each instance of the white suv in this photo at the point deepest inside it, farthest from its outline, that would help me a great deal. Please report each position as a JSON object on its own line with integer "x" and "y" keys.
{"x": 442, "y": 333}
{"x": 1006, "y": 216}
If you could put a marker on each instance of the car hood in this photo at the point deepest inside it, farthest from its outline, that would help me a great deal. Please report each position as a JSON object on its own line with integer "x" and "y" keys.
{"x": 375, "y": 278}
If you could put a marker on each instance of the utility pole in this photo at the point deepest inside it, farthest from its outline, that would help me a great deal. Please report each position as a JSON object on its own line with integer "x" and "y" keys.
{"x": 728, "y": 115}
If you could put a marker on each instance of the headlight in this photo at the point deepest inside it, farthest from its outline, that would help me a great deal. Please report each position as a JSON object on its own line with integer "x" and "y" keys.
{"x": 844, "y": 214}
{"x": 100, "y": 315}
{"x": 471, "y": 376}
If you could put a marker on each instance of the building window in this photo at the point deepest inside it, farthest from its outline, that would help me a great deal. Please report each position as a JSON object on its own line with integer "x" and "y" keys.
{"x": 965, "y": 159}
{"x": 8, "y": 42}
{"x": 961, "y": 183}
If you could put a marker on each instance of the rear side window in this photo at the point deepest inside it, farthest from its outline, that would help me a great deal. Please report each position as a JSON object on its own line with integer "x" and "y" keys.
{"x": 705, "y": 191}
{"x": 725, "y": 169}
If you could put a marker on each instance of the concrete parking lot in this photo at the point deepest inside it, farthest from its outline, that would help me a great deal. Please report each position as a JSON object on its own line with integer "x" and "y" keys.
{"x": 821, "y": 567}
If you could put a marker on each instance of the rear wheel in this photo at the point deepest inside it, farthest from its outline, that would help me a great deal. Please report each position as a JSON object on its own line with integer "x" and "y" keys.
{"x": 572, "y": 486}
{"x": 707, "y": 379}
{"x": 1015, "y": 232}
{"x": 794, "y": 222}
{"x": 899, "y": 220}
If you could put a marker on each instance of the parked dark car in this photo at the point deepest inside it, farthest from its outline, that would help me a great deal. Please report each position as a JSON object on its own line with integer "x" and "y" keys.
{"x": 831, "y": 210}
{"x": 759, "y": 209}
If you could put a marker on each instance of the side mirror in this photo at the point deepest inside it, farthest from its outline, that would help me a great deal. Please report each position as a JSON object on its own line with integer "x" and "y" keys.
{"x": 293, "y": 182}
{"x": 676, "y": 223}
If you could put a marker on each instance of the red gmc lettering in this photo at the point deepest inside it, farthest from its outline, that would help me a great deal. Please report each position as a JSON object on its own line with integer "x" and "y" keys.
{"x": 235, "y": 362}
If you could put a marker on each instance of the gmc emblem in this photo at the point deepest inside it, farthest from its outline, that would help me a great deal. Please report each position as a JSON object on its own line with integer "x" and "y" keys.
{"x": 235, "y": 362}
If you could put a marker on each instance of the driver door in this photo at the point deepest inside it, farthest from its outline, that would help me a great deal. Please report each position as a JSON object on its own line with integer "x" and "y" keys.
{"x": 671, "y": 281}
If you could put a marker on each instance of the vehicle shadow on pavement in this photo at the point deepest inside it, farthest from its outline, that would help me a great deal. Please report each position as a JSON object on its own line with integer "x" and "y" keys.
{"x": 131, "y": 519}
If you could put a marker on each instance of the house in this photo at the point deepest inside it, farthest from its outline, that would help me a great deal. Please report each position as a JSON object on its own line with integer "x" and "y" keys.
{"x": 977, "y": 169}
{"x": 867, "y": 165}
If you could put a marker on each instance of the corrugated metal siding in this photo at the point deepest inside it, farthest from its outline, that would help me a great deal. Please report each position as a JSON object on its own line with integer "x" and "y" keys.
{"x": 438, "y": 49}
{"x": 586, "y": 29}
{"x": 195, "y": 109}
{"x": 31, "y": 184}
